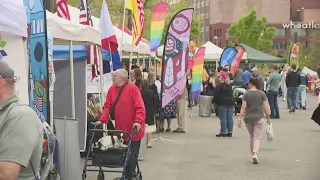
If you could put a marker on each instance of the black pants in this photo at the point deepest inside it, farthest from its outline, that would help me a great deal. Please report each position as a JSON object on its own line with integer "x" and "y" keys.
{"x": 132, "y": 162}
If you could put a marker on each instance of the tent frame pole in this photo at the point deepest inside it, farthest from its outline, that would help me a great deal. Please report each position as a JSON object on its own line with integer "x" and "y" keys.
{"x": 73, "y": 104}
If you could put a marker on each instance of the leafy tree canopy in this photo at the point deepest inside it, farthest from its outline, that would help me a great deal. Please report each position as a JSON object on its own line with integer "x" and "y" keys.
{"x": 315, "y": 49}
{"x": 253, "y": 32}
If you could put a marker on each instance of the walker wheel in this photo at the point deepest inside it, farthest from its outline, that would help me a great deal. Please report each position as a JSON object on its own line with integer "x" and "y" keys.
{"x": 139, "y": 176}
{"x": 100, "y": 176}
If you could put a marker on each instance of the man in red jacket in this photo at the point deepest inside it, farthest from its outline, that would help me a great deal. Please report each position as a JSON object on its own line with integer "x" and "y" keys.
{"x": 129, "y": 112}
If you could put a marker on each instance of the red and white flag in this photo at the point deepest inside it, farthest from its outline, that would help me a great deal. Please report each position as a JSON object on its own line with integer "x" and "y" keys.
{"x": 108, "y": 37}
{"x": 62, "y": 9}
{"x": 92, "y": 53}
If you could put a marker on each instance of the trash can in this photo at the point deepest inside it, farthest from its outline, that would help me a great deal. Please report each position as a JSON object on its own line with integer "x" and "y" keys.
{"x": 205, "y": 107}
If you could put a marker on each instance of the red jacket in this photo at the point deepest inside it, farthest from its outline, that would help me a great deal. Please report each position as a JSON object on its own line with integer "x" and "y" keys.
{"x": 129, "y": 109}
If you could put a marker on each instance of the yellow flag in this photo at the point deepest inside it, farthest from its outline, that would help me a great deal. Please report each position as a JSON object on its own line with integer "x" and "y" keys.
{"x": 129, "y": 4}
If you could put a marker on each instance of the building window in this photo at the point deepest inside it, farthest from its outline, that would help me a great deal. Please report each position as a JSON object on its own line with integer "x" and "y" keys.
{"x": 207, "y": 22}
{"x": 280, "y": 32}
{"x": 215, "y": 32}
{"x": 279, "y": 45}
{"x": 219, "y": 32}
{"x": 300, "y": 32}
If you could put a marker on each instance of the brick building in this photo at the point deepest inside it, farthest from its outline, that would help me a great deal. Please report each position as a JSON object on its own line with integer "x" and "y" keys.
{"x": 278, "y": 12}
{"x": 202, "y": 10}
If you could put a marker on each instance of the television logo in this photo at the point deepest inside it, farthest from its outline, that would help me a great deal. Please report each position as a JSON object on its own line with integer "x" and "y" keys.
{"x": 293, "y": 25}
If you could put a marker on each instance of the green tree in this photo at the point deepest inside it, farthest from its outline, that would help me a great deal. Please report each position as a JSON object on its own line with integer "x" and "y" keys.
{"x": 253, "y": 32}
{"x": 315, "y": 50}
{"x": 274, "y": 53}
{"x": 173, "y": 9}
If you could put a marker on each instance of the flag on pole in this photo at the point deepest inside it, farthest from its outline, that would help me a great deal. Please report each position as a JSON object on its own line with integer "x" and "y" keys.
{"x": 62, "y": 9}
{"x": 136, "y": 6}
{"x": 108, "y": 37}
{"x": 92, "y": 57}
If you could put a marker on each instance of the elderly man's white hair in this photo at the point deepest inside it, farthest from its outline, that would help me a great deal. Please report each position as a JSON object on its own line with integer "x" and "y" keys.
{"x": 123, "y": 74}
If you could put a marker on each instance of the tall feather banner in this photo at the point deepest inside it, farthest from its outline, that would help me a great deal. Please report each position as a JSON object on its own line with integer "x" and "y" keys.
{"x": 197, "y": 72}
{"x": 228, "y": 56}
{"x": 236, "y": 62}
{"x": 157, "y": 24}
{"x": 38, "y": 58}
{"x": 175, "y": 56}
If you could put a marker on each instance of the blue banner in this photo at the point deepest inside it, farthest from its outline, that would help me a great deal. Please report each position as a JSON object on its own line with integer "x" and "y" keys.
{"x": 38, "y": 58}
{"x": 227, "y": 56}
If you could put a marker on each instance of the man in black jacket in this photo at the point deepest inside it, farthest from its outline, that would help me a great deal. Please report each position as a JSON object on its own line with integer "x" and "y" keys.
{"x": 292, "y": 82}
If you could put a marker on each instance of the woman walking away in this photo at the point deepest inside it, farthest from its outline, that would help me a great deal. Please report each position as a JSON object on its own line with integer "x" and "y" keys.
{"x": 150, "y": 101}
{"x": 223, "y": 97}
{"x": 254, "y": 105}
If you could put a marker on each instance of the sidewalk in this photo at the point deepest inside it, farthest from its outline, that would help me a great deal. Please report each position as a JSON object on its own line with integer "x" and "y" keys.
{"x": 199, "y": 155}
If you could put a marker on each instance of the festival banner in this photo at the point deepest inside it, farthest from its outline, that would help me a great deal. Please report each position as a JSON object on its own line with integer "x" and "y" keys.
{"x": 295, "y": 54}
{"x": 12, "y": 51}
{"x": 38, "y": 58}
{"x": 175, "y": 56}
{"x": 157, "y": 25}
{"x": 236, "y": 62}
{"x": 228, "y": 56}
{"x": 197, "y": 72}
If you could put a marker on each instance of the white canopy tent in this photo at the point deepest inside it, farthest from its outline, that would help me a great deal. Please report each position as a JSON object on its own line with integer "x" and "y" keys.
{"x": 306, "y": 70}
{"x": 13, "y": 30}
{"x": 126, "y": 45}
{"x": 13, "y": 18}
{"x": 64, "y": 31}
{"x": 213, "y": 52}
{"x": 71, "y": 33}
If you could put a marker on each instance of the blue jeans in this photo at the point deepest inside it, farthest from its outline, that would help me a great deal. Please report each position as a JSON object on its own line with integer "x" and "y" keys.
{"x": 292, "y": 97}
{"x": 226, "y": 119}
{"x": 273, "y": 101}
{"x": 301, "y": 96}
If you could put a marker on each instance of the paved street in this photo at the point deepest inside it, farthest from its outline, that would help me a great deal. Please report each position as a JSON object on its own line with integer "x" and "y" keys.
{"x": 199, "y": 155}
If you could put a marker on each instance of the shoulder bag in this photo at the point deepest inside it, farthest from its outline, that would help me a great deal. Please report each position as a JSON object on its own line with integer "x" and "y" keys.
{"x": 111, "y": 113}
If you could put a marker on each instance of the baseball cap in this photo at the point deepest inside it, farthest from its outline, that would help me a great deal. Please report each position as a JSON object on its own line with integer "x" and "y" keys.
{"x": 255, "y": 69}
{"x": 224, "y": 75}
{"x": 5, "y": 70}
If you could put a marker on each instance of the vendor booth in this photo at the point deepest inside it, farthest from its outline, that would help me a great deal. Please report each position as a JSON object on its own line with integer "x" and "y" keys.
{"x": 71, "y": 73}
{"x": 13, "y": 48}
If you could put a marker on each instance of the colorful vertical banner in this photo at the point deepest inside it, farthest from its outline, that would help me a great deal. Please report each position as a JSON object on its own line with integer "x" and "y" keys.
{"x": 236, "y": 62}
{"x": 295, "y": 54}
{"x": 228, "y": 56}
{"x": 175, "y": 56}
{"x": 38, "y": 58}
{"x": 197, "y": 73}
{"x": 136, "y": 6}
{"x": 157, "y": 24}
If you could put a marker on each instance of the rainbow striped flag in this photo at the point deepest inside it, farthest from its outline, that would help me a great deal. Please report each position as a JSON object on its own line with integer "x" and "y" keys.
{"x": 157, "y": 24}
{"x": 197, "y": 72}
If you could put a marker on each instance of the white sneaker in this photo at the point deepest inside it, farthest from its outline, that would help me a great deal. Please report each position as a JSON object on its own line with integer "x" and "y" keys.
{"x": 284, "y": 99}
{"x": 254, "y": 158}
